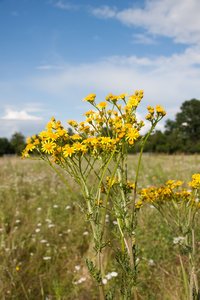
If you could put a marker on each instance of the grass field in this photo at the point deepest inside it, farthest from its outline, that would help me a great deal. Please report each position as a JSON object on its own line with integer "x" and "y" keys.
{"x": 44, "y": 238}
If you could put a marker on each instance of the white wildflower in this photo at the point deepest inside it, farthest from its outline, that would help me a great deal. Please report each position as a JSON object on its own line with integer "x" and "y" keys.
{"x": 48, "y": 220}
{"x": 46, "y": 257}
{"x": 51, "y": 225}
{"x": 77, "y": 267}
{"x": 82, "y": 279}
{"x": 67, "y": 207}
{"x": 108, "y": 276}
{"x": 151, "y": 262}
{"x": 178, "y": 240}
{"x": 43, "y": 241}
{"x": 114, "y": 274}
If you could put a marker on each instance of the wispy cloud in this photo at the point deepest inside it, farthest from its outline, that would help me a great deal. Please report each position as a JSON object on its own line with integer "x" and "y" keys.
{"x": 49, "y": 67}
{"x": 65, "y": 5}
{"x": 104, "y": 12}
{"x": 168, "y": 80}
{"x": 140, "y": 38}
{"x": 21, "y": 115}
{"x": 178, "y": 19}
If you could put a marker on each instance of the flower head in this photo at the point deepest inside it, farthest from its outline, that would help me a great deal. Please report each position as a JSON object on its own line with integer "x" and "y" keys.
{"x": 90, "y": 98}
{"x": 48, "y": 147}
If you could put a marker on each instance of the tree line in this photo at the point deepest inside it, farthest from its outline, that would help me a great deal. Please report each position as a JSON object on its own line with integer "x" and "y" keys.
{"x": 181, "y": 135}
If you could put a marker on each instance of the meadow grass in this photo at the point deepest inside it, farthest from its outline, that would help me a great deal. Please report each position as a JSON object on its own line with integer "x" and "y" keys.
{"x": 44, "y": 238}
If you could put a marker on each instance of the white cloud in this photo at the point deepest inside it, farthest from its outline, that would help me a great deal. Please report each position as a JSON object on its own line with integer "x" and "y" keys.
{"x": 144, "y": 39}
{"x": 20, "y": 121}
{"x": 21, "y": 115}
{"x": 64, "y": 5}
{"x": 175, "y": 19}
{"x": 104, "y": 12}
{"x": 49, "y": 67}
{"x": 27, "y": 128}
{"x": 166, "y": 80}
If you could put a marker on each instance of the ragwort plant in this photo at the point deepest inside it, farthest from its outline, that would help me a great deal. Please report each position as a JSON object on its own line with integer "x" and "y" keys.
{"x": 179, "y": 208}
{"x": 95, "y": 155}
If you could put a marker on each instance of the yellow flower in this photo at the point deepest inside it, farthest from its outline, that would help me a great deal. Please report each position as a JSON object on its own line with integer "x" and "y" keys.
{"x": 160, "y": 110}
{"x": 89, "y": 113}
{"x": 111, "y": 181}
{"x": 132, "y": 135}
{"x": 131, "y": 185}
{"x": 89, "y": 120}
{"x": 50, "y": 125}
{"x": 62, "y": 132}
{"x": 72, "y": 123}
{"x": 28, "y": 140}
{"x": 68, "y": 151}
{"x": 195, "y": 183}
{"x": 149, "y": 117}
{"x": 138, "y": 204}
{"x": 105, "y": 140}
{"x": 76, "y": 137}
{"x": 17, "y": 268}
{"x": 150, "y": 109}
{"x": 36, "y": 142}
{"x": 133, "y": 101}
{"x": 112, "y": 98}
{"x": 48, "y": 147}
{"x": 43, "y": 135}
{"x": 51, "y": 135}
{"x": 121, "y": 134}
{"x": 90, "y": 98}
{"x": 102, "y": 105}
{"x": 122, "y": 96}
{"x": 30, "y": 147}
{"x": 174, "y": 184}
{"x": 80, "y": 147}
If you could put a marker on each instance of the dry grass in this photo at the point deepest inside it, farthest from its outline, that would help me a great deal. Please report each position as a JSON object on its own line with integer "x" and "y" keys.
{"x": 43, "y": 235}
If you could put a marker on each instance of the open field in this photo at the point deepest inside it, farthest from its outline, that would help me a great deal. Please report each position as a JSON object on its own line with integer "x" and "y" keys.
{"x": 44, "y": 239}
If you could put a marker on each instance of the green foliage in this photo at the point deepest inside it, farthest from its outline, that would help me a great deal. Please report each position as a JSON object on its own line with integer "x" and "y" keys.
{"x": 17, "y": 142}
{"x": 94, "y": 271}
{"x": 5, "y": 146}
{"x": 13, "y": 146}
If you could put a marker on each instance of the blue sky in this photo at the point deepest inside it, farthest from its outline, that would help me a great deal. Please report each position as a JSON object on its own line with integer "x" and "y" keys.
{"x": 55, "y": 52}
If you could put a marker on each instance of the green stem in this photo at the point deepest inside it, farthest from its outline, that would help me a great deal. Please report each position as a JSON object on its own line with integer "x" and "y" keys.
{"x": 138, "y": 169}
{"x": 59, "y": 174}
{"x": 108, "y": 194}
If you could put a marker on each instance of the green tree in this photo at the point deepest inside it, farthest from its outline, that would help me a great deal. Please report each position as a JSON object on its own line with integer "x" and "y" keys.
{"x": 5, "y": 147}
{"x": 157, "y": 142}
{"x": 183, "y": 134}
{"x": 17, "y": 142}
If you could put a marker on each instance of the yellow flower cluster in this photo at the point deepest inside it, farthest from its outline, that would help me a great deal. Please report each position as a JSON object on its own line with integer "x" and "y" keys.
{"x": 155, "y": 114}
{"x": 107, "y": 127}
{"x": 195, "y": 183}
{"x": 171, "y": 191}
